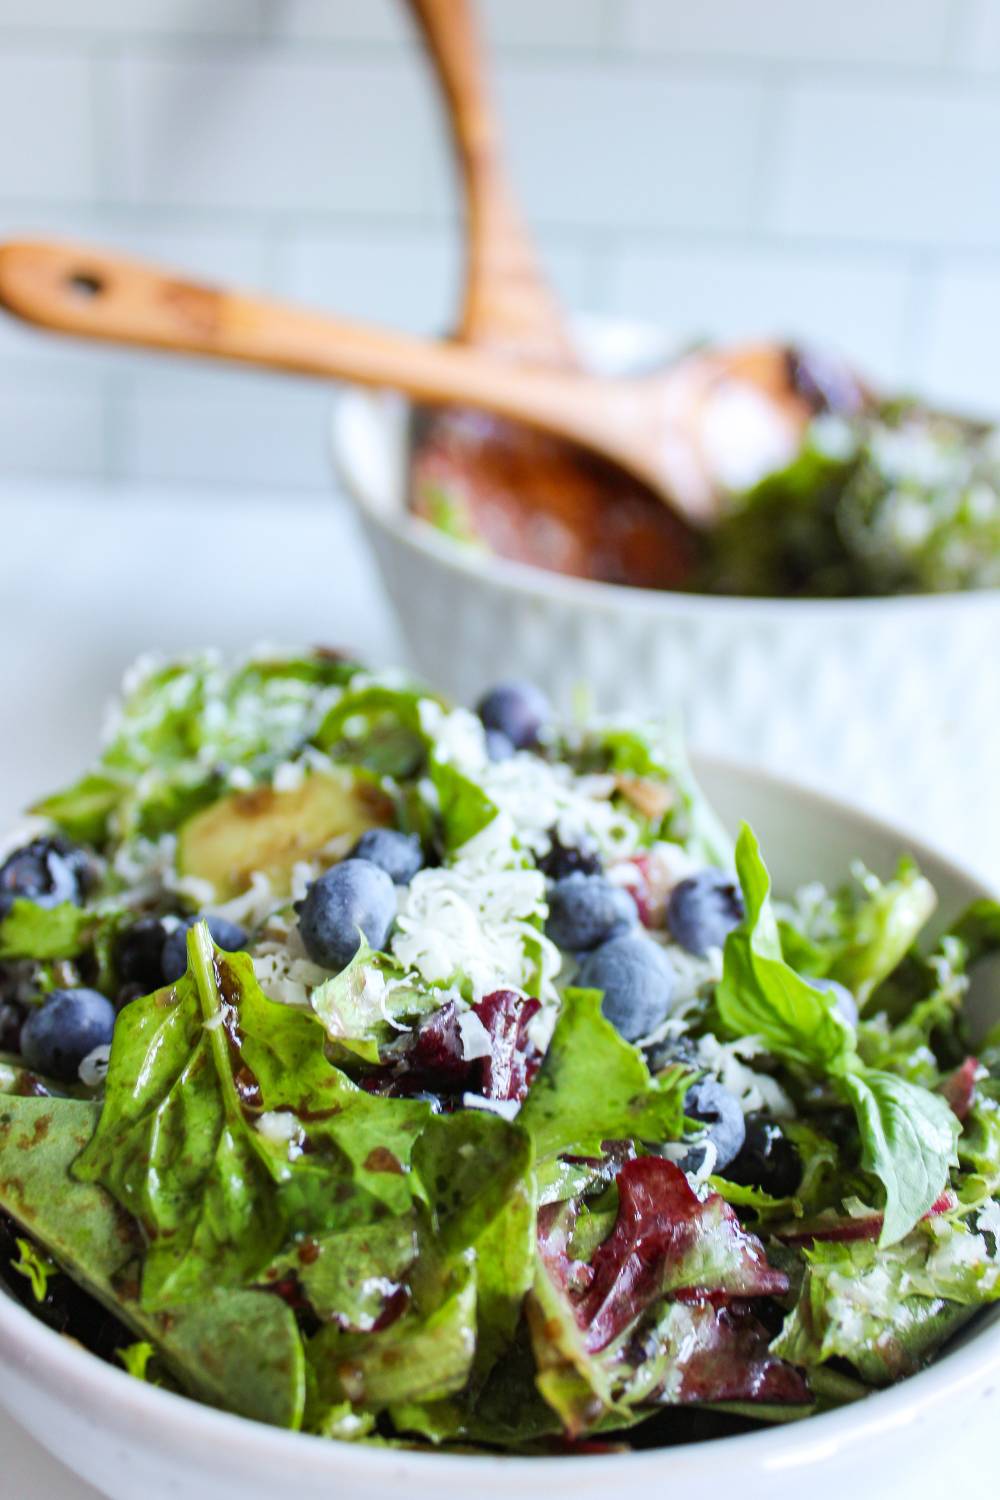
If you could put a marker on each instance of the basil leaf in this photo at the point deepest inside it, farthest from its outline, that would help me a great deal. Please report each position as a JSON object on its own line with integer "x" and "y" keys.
{"x": 908, "y": 1141}
{"x": 593, "y": 1086}
{"x": 759, "y": 995}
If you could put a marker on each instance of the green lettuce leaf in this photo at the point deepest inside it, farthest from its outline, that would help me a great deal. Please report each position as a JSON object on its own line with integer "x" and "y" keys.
{"x": 45, "y": 932}
{"x": 887, "y": 1311}
{"x": 83, "y": 809}
{"x": 358, "y": 1013}
{"x": 881, "y": 922}
{"x": 593, "y": 1086}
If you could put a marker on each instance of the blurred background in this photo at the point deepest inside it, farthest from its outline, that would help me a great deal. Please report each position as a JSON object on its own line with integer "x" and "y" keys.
{"x": 730, "y": 167}
{"x": 727, "y": 168}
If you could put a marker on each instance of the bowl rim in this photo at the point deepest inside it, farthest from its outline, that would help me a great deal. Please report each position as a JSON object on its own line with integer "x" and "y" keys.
{"x": 27, "y": 1343}
{"x": 530, "y": 582}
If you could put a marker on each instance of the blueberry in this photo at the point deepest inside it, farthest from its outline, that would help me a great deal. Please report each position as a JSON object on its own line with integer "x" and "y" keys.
{"x": 47, "y": 871}
{"x": 139, "y": 954}
{"x": 715, "y": 1107}
{"x": 498, "y": 746}
{"x": 353, "y": 898}
{"x": 587, "y": 910}
{"x": 637, "y": 982}
{"x": 703, "y": 910}
{"x": 398, "y": 854}
{"x": 60, "y": 1033}
{"x": 518, "y": 710}
{"x": 843, "y": 1000}
{"x": 225, "y": 935}
{"x": 565, "y": 859}
{"x": 11, "y": 1021}
{"x": 767, "y": 1160}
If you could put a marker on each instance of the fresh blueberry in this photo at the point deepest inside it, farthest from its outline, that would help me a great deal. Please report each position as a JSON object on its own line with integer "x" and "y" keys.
{"x": 498, "y": 746}
{"x": 716, "y": 1108}
{"x": 225, "y": 935}
{"x": 636, "y": 980}
{"x": 47, "y": 871}
{"x": 703, "y": 910}
{"x": 518, "y": 710}
{"x": 355, "y": 898}
{"x": 587, "y": 910}
{"x": 59, "y": 1034}
{"x": 398, "y": 854}
{"x": 139, "y": 954}
{"x": 843, "y": 1000}
{"x": 768, "y": 1160}
{"x": 566, "y": 859}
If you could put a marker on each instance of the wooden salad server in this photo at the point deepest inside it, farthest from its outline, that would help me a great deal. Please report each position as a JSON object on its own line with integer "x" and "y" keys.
{"x": 508, "y": 305}
{"x": 661, "y": 428}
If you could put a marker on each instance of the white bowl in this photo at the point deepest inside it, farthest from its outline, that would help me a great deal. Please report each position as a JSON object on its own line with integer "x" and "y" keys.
{"x": 932, "y": 1434}
{"x": 877, "y": 700}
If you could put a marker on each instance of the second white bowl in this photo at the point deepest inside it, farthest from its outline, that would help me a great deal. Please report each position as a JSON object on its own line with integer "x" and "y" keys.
{"x": 879, "y": 700}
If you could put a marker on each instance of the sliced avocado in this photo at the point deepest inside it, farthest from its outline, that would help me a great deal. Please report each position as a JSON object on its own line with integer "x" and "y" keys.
{"x": 271, "y": 830}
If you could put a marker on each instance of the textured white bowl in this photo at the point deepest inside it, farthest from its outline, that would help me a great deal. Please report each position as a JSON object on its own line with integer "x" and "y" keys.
{"x": 876, "y": 700}
{"x": 931, "y": 1435}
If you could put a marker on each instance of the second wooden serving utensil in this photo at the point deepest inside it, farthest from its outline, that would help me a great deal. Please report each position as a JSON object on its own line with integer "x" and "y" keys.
{"x": 661, "y": 428}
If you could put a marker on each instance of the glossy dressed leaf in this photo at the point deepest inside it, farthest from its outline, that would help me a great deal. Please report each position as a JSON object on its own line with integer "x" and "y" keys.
{"x": 477, "y": 1172}
{"x": 238, "y": 1350}
{"x": 349, "y": 1278}
{"x": 593, "y": 1086}
{"x": 194, "y": 1070}
{"x": 424, "y": 1356}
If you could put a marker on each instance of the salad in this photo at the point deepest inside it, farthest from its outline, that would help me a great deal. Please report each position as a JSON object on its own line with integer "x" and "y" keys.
{"x": 408, "y": 1075}
{"x": 889, "y": 498}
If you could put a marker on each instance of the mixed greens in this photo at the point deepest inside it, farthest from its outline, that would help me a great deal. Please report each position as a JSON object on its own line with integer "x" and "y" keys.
{"x": 888, "y": 498}
{"x": 395, "y": 1073}
{"x": 896, "y": 499}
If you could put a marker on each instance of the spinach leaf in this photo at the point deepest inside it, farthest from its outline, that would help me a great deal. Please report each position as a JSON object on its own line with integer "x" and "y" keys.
{"x": 239, "y": 1350}
{"x": 593, "y": 1086}
{"x": 194, "y": 1071}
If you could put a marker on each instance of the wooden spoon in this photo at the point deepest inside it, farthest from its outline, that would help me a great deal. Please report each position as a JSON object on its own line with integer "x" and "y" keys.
{"x": 508, "y": 305}
{"x": 527, "y": 494}
{"x": 662, "y": 428}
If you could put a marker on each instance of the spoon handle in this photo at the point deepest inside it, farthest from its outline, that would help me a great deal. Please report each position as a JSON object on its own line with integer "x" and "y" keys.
{"x": 508, "y": 304}
{"x": 100, "y": 295}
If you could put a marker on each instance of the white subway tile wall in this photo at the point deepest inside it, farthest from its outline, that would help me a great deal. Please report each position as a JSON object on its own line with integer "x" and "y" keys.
{"x": 725, "y": 168}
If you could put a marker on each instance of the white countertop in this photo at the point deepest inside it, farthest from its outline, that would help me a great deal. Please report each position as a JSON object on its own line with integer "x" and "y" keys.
{"x": 90, "y": 577}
